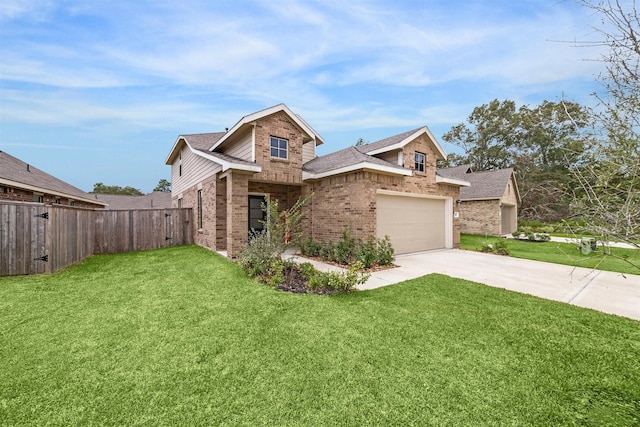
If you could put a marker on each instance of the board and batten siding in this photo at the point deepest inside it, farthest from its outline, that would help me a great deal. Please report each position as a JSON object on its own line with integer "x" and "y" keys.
{"x": 308, "y": 151}
{"x": 195, "y": 169}
{"x": 241, "y": 149}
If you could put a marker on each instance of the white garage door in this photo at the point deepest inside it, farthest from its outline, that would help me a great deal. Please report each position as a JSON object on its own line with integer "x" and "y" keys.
{"x": 412, "y": 223}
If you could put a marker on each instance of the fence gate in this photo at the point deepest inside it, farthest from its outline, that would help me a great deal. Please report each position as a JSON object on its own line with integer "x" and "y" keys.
{"x": 23, "y": 238}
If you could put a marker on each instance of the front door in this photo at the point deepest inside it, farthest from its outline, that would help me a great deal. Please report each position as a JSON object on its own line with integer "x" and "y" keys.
{"x": 257, "y": 215}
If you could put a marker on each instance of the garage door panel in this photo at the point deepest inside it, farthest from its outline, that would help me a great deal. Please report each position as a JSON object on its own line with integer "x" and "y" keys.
{"x": 412, "y": 223}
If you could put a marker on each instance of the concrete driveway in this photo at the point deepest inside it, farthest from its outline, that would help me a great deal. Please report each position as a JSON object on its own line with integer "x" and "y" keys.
{"x": 600, "y": 290}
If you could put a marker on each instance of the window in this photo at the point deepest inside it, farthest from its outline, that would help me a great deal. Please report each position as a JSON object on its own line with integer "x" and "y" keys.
{"x": 180, "y": 164}
{"x": 279, "y": 148}
{"x": 5, "y": 190}
{"x": 38, "y": 198}
{"x": 199, "y": 208}
{"x": 180, "y": 202}
{"x": 419, "y": 162}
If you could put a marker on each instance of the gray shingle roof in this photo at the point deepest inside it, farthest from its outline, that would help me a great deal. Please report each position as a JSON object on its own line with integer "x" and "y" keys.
{"x": 203, "y": 141}
{"x": 155, "y": 200}
{"x": 14, "y": 169}
{"x": 343, "y": 158}
{"x": 366, "y": 148}
{"x": 484, "y": 185}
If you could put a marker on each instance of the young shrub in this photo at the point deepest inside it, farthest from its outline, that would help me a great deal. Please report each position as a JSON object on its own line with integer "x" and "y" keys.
{"x": 385, "y": 255}
{"x": 516, "y": 234}
{"x": 310, "y": 247}
{"x": 345, "y": 249}
{"x": 368, "y": 253}
{"x": 498, "y": 247}
{"x": 258, "y": 256}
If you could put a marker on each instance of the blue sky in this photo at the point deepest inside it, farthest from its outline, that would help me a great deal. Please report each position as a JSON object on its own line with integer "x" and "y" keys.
{"x": 98, "y": 91}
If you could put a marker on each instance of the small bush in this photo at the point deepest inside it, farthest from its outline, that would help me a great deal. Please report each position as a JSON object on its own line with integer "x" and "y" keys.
{"x": 499, "y": 247}
{"x": 349, "y": 249}
{"x": 310, "y": 247}
{"x": 385, "y": 255}
{"x": 259, "y": 255}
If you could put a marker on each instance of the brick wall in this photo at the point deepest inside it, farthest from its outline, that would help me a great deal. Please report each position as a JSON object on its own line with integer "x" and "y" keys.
{"x": 480, "y": 217}
{"x": 19, "y": 195}
{"x": 205, "y": 235}
{"x": 278, "y": 170}
{"x": 237, "y": 210}
{"x": 349, "y": 202}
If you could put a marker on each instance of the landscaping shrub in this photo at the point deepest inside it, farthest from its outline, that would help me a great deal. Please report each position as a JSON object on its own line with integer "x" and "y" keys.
{"x": 498, "y": 247}
{"x": 348, "y": 249}
{"x": 259, "y": 255}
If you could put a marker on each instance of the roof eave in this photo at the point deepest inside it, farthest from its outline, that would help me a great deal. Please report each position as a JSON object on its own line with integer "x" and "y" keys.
{"x": 451, "y": 181}
{"x": 226, "y": 164}
{"x": 171, "y": 155}
{"x": 17, "y": 184}
{"x": 355, "y": 167}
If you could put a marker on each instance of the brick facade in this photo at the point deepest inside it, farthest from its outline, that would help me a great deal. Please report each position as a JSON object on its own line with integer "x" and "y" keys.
{"x": 480, "y": 217}
{"x": 340, "y": 202}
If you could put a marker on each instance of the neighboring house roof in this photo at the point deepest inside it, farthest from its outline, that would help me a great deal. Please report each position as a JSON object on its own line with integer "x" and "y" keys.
{"x": 485, "y": 185}
{"x": 16, "y": 173}
{"x": 155, "y": 200}
{"x": 347, "y": 160}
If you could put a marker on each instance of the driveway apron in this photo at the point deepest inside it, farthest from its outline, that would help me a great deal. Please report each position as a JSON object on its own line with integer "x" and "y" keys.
{"x": 604, "y": 291}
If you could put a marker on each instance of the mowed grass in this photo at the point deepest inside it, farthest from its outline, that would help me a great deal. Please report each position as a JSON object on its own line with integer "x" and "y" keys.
{"x": 561, "y": 253}
{"x": 179, "y": 336}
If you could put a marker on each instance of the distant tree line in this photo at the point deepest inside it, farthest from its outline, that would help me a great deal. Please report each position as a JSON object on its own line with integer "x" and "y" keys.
{"x": 100, "y": 188}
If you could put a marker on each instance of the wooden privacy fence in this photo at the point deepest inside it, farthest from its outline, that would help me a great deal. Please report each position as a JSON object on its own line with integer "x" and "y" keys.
{"x": 38, "y": 238}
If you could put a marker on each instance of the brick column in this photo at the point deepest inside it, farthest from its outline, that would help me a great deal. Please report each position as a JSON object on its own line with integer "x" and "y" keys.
{"x": 237, "y": 212}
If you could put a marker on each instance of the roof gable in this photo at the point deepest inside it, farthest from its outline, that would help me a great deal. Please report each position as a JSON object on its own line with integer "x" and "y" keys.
{"x": 398, "y": 141}
{"x": 15, "y": 172}
{"x": 247, "y": 120}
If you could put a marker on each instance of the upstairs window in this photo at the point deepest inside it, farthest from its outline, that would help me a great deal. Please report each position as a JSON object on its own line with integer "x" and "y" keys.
{"x": 419, "y": 166}
{"x": 279, "y": 148}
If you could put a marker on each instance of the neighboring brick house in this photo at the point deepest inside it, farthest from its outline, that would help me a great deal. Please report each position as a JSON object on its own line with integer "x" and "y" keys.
{"x": 389, "y": 187}
{"x": 20, "y": 181}
{"x": 490, "y": 204}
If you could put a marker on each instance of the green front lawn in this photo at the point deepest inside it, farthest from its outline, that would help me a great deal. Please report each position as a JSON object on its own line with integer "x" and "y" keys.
{"x": 179, "y": 336}
{"x": 561, "y": 253}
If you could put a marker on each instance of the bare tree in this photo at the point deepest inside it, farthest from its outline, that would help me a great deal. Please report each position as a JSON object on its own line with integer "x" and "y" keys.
{"x": 608, "y": 194}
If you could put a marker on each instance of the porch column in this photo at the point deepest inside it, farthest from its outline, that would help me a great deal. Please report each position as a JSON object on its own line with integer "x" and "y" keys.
{"x": 237, "y": 212}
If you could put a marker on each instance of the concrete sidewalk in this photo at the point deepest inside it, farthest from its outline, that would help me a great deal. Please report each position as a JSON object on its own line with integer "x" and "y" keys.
{"x": 600, "y": 290}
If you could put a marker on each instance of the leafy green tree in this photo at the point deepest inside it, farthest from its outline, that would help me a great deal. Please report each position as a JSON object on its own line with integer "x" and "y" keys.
{"x": 100, "y": 188}
{"x": 487, "y": 137}
{"x": 539, "y": 142}
{"x": 163, "y": 185}
{"x": 547, "y": 141}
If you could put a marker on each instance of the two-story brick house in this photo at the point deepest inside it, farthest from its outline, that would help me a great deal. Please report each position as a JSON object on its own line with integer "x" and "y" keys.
{"x": 389, "y": 187}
